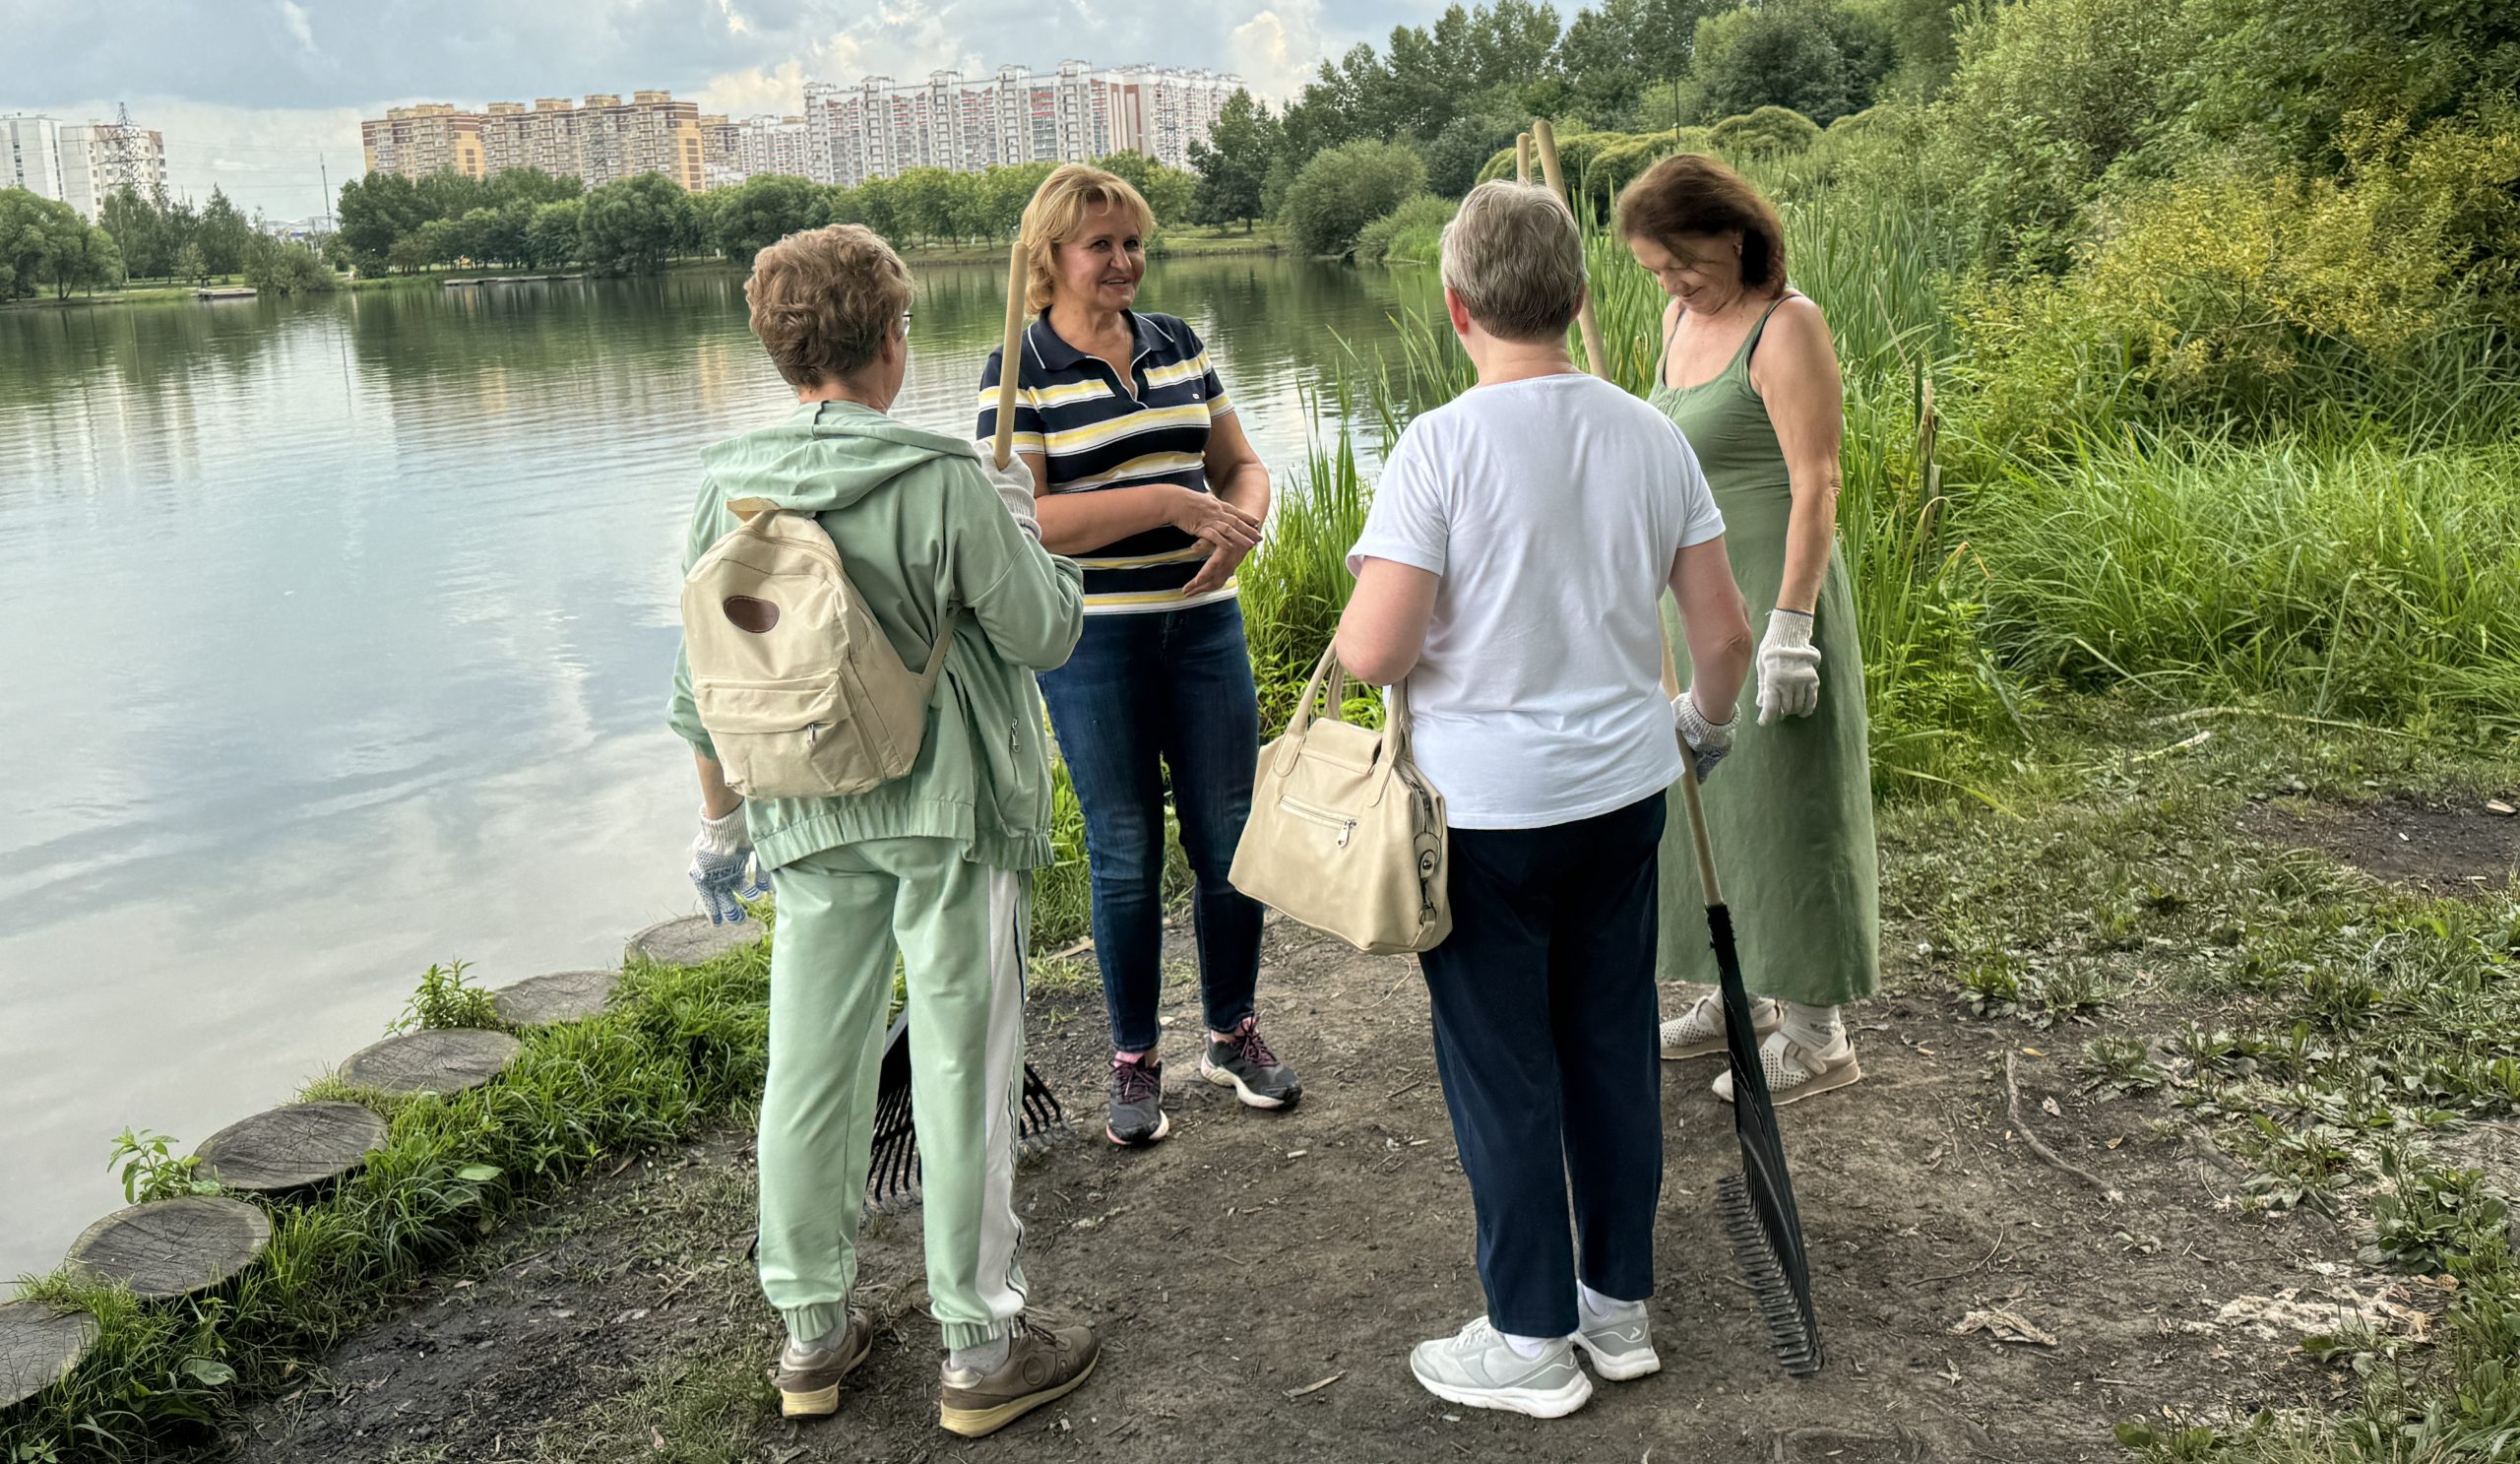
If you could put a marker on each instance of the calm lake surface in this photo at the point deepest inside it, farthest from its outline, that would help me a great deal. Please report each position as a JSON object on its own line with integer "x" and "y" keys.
{"x": 336, "y": 637}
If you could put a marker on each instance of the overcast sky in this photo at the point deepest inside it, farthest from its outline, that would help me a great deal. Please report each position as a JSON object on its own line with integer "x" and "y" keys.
{"x": 250, "y": 93}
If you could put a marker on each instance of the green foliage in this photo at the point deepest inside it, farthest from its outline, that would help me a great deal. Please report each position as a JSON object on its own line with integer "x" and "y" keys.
{"x": 1765, "y": 133}
{"x": 445, "y": 1000}
{"x": 1457, "y": 153}
{"x": 274, "y": 267}
{"x": 1412, "y": 232}
{"x": 1167, "y": 191}
{"x": 1810, "y": 55}
{"x": 222, "y": 236}
{"x": 152, "y": 232}
{"x": 151, "y": 1171}
{"x": 551, "y": 236}
{"x": 44, "y": 242}
{"x": 761, "y": 211}
{"x": 633, "y": 226}
{"x": 2428, "y": 1213}
{"x": 1232, "y": 162}
{"x": 1341, "y": 191}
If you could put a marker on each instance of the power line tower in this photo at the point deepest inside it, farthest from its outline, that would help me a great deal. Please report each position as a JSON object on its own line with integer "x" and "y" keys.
{"x": 125, "y": 155}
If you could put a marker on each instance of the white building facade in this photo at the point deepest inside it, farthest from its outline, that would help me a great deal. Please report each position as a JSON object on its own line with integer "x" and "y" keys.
{"x": 878, "y": 128}
{"x": 30, "y": 155}
{"x": 99, "y": 159}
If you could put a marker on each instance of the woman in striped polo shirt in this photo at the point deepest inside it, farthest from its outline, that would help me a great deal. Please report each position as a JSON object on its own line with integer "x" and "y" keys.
{"x": 1144, "y": 476}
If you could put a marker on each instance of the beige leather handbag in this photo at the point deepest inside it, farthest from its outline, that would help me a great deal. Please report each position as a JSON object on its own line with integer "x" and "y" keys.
{"x": 1344, "y": 834}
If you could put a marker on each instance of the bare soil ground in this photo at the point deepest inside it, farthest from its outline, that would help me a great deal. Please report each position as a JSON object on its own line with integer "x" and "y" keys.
{"x": 2449, "y": 848}
{"x": 1258, "y": 1279}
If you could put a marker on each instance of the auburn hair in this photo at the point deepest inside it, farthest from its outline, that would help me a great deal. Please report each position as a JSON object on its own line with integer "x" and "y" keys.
{"x": 1692, "y": 194}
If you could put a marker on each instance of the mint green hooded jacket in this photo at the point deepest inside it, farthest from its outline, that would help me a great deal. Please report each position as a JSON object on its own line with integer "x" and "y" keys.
{"x": 919, "y": 529}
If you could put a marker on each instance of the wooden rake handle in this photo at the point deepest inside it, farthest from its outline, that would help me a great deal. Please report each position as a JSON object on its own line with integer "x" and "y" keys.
{"x": 1010, "y": 361}
{"x": 1544, "y": 137}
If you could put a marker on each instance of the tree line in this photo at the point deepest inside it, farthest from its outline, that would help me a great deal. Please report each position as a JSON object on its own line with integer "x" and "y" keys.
{"x": 527, "y": 219}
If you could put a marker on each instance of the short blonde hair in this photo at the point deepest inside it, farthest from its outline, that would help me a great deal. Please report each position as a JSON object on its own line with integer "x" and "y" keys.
{"x": 1058, "y": 213}
{"x": 1515, "y": 257}
{"x": 824, "y": 300}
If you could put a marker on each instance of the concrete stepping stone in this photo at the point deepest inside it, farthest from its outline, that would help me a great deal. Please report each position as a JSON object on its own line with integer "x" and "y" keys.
{"x": 446, "y": 1059}
{"x": 39, "y": 1347}
{"x": 561, "y": 996}
{"x": 173, "y": 1248}
{"x": 692, "y": 940}
{"x": 292, "y": 1147}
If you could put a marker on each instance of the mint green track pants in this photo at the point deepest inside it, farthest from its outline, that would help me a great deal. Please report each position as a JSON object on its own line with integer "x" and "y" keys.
{"x": 959, "y": 928}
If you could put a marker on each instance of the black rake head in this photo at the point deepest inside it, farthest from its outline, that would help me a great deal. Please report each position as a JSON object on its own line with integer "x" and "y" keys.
{"x": 1757, "y": 1203}
{"x": 893, "y": 1169}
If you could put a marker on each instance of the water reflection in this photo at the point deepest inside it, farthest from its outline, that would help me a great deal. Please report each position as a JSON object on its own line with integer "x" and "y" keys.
{"x": 336, "y": 636}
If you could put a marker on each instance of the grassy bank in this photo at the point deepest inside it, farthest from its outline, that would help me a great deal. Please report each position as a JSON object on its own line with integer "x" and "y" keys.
{"x": 682, "y": 1046}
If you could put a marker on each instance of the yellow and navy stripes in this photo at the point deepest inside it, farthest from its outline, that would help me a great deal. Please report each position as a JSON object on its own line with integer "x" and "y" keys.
{"x": 1098, "y": 431}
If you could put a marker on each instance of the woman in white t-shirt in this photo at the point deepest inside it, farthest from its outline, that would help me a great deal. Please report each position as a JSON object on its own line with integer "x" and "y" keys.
{"x": 1519, "y": 541}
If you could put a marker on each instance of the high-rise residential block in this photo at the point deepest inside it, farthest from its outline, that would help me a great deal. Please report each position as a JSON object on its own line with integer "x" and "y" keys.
{"x": 98, "y": 158}
{"x": 30, "y": 155}
{"x": 418, "y": 141}
{"x": 605, "y": 140}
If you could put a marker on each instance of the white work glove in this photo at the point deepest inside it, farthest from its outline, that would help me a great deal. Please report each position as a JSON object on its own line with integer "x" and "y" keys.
{"x": 1707, "y": 741}
{"x": 720, "y": 859}
{"x": 1014, "y": 484}
{"x": 1789, "y": 668}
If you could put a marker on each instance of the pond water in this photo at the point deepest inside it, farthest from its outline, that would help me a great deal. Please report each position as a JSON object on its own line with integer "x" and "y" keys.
{"x": 336, "y": 637}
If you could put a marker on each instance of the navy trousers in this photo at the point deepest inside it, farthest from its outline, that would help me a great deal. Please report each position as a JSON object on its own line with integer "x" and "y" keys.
{"x": 1547, "y": 1043}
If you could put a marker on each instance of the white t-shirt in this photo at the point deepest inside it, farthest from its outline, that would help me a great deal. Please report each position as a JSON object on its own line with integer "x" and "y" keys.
{"x": 1552, "y": 508}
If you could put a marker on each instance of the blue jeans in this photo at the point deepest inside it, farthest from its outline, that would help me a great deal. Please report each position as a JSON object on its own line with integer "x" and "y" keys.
{"x": 1144, "y": 694}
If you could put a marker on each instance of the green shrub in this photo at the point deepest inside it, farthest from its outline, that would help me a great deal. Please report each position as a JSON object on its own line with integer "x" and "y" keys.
{"x": 1411, "y": 233}
{"x": 1343, "y": 189}
{"x": 1765, "y": 132}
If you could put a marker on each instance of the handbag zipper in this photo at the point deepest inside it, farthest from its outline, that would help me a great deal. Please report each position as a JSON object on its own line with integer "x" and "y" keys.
{"x": 1322, "y": 816}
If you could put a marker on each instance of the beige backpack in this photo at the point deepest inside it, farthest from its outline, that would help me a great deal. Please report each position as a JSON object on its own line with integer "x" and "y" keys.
{"x": 1344, "y": 834}
{"x": 794, "y": 681}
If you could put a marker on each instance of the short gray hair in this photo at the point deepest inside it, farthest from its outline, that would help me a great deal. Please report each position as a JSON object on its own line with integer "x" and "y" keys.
{"x": 1515, "y": 257}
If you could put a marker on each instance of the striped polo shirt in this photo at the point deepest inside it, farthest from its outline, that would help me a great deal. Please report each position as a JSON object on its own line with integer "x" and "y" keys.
{"x": 1098, "y": 432}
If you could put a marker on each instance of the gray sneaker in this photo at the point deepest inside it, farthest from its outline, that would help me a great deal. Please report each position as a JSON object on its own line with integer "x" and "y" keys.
{"x": 1477, "y": 1368}
{"x": 1137, "y": 1104}
{"x": 809, "y": 1373}
{"x": 1244, "y": 1064}
{"x": 1043, "y": 1361}
{"x": 1623, "y": 1350}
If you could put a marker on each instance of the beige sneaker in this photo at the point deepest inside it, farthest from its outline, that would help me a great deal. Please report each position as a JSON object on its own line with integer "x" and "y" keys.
{"x": 1796, "y": 1072}
{"x": 1043, "y": 1363}
{"x": 808, "y": 1377}
{"x": 1699, "y": 1031}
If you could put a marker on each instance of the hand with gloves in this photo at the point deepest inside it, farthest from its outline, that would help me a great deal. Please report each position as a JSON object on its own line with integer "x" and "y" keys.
{"x": 1014, "y": 484}
{"x": 1789, "y": 668}
{"x": 1708, "y": 741}
{"x": 724, "y": 869}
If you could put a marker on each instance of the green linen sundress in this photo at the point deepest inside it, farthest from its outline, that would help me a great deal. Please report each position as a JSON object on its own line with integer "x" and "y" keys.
{"x": 1790, "y": 812}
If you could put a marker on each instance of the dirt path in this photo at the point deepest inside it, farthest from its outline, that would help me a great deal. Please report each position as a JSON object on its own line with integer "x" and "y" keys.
{"x": 1251, "y": 1257}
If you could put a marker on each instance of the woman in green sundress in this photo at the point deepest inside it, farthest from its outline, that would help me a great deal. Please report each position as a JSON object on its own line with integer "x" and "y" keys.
{"x": 1748, "y": 373}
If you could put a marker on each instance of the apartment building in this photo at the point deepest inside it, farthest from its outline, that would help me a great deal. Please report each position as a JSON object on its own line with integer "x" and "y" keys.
{"x": 429, "y": 138}
{"x": 30, "y": 155}
{"x": 600, "y": 141}
{"x": 98, "y": 158}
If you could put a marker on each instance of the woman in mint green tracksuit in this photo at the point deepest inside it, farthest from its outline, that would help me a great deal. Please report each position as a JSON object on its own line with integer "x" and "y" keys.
{"x": 935, "y": 865}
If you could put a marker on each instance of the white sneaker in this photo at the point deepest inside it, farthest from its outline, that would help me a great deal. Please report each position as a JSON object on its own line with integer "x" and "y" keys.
{"x": 1477, "y": 1368}
{"x": 1622, "y": 1350}
{"x": 1699, "y": 1031}
{"x": 1796, "y": 1072}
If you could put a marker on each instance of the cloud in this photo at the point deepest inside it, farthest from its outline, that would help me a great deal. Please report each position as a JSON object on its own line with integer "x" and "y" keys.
{"x": 1279, "y": 49}
{"x": 294, "y": 16}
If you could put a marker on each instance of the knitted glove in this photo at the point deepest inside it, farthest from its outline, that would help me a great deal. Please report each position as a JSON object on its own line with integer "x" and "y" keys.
{"x": 721, "y": 858}
{"x": 1707, "y": 741}
{"x": 1789, "y": 668}
{"x": 1014, "y": 484}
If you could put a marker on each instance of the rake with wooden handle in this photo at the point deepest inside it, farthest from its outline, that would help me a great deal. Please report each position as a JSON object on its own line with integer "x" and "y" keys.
{"x": 893, "y": 1173}
{"x": 1757, "y": 1203}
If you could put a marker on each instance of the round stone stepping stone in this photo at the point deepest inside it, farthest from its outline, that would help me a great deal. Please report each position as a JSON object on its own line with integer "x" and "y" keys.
{"x": 39, "y": 1347}
{"x": 173, "y": 1248}
{"x": 446, "y": 1059}
{"x": 292, "y": 1147}
{"x": 561, "y": 996}
{"x": 692, "y": 940}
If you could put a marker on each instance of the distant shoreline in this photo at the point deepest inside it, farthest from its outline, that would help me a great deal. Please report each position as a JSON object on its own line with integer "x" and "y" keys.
{"x": 1201, "y": 244}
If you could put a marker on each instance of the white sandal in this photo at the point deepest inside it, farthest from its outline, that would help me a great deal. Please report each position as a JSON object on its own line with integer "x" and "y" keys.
{"x": 1698, "y": 1032}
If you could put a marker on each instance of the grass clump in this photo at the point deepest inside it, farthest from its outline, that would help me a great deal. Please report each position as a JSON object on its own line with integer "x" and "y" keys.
{"x": 1408, "y": 234}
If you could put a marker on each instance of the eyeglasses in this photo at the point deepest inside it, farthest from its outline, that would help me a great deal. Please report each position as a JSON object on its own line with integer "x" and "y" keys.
{"x": 905, "y": 325}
